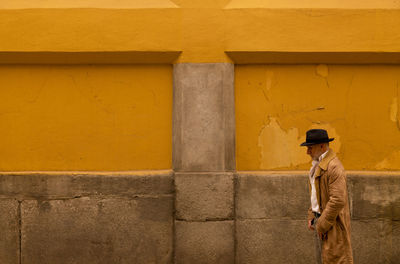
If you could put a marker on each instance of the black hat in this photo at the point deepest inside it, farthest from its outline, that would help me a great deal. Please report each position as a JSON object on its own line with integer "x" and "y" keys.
{"x": 316, "y": 136}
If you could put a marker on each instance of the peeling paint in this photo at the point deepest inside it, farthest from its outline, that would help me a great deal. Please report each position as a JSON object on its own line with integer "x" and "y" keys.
{"x": 381, "y": 194}
{"x": 280, "y": 148}
{"x": 390, "y": 162}
{"x": 299, "y": 98}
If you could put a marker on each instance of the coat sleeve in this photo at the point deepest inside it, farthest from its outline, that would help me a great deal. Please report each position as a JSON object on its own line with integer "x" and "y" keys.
{"x": 337, "y": 198}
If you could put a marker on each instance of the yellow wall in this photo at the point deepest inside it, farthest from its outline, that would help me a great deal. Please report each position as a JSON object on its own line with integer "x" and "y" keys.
{"x": 85, "y": 117}
{"x": 202, "y": 30}
{"x": 358, "y": 105}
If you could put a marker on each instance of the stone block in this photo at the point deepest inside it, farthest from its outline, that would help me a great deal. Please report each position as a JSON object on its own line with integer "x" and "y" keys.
{"x": 9, "y": 231}
{"x": 274, "y": 242}
{"x": 91, "y": 230}
{"x": 371, "y": 240}
{"x": 203, "y": 196}
{"x": 272, "y": 195}
{"x": 375, "y": 196}
{"x": 204, "y": 117}
{"x": 204, "y": 242}
{"x": 69, "y": 185}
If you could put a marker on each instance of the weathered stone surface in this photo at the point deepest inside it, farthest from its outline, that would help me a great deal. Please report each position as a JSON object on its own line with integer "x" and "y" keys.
{"x": 274, "y": 241}
{"x": 395, "y": 256}
{"x": 128, "y": 218}
{"x": 204, "y": 242}
{"x": 204, "y": 117}
{"x": 371, "y": 241}
{"x": 88, "y": 230}
{"x": 204, "y": 196}
{"x": 9, "y": 232}
{"x": 272, "y": 195}
{"x": 70, "y": 185}
{"x": 375, "y": 196}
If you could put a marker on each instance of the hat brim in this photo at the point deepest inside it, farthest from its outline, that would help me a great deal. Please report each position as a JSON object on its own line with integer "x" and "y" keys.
{"x": 315, "y": 143}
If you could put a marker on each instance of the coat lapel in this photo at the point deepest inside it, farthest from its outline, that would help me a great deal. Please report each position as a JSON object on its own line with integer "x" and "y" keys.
{"x": 323, "y": 165}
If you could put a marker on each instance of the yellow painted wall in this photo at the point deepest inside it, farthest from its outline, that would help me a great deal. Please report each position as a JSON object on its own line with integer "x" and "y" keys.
{"x": 359, "y": 105}
{"x": 83, "y": 117}
{"x": 202, "y": 30}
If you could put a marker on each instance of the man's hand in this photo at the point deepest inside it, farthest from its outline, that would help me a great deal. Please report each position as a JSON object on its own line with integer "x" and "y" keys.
{"x": 310, "y": 226}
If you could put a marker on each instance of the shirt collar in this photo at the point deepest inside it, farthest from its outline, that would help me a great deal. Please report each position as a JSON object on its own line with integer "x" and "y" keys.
{"x": 315, "y": 162}
{"x": 323, "y": 155}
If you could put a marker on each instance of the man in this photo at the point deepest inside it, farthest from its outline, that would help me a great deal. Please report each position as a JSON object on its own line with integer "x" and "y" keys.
{"x": 329, "y": 214}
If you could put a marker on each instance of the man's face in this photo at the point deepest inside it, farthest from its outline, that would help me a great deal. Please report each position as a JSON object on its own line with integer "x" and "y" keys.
{"x": 315, "y": 151}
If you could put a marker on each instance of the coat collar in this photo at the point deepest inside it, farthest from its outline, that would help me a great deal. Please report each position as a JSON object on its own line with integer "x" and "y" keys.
{"x": 323, "y": 165}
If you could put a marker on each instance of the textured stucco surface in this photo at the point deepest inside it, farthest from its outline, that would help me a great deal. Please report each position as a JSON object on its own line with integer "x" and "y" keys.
{"x": 236, "y": 26}
{"x": 85, "y": 117}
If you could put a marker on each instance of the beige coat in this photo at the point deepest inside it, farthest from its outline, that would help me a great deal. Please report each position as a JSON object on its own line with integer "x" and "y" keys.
{"x": 334, "y": 223}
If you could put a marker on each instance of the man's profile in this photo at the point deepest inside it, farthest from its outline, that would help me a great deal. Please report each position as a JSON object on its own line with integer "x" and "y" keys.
{"x": 329, "y": 214}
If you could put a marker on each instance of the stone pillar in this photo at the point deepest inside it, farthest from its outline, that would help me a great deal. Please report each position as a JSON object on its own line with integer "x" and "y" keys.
{"x": 204, "y": 162}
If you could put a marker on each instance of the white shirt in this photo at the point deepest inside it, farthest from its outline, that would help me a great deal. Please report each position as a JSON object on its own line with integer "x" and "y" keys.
{"x": 314, "y": 200}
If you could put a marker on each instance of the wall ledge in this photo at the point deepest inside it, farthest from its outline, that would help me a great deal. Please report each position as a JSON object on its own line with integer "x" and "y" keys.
{"x": 88, "y": 57}
{"x": 310, "y": 57}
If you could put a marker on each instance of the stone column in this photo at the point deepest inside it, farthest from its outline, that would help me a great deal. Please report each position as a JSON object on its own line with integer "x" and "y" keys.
{"x": 204, "y": 162}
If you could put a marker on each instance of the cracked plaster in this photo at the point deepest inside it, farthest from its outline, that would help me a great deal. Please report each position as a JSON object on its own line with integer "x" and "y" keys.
{"x": 273, "y": 100}
{"x": 280, "y": 148}
{"x": 85, "y": 117}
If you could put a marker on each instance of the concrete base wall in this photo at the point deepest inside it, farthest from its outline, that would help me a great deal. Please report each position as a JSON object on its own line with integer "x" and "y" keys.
{"x": 271, "y": 217}
{"x": 86, "y": 218}
{"x": 162, "y": 217}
